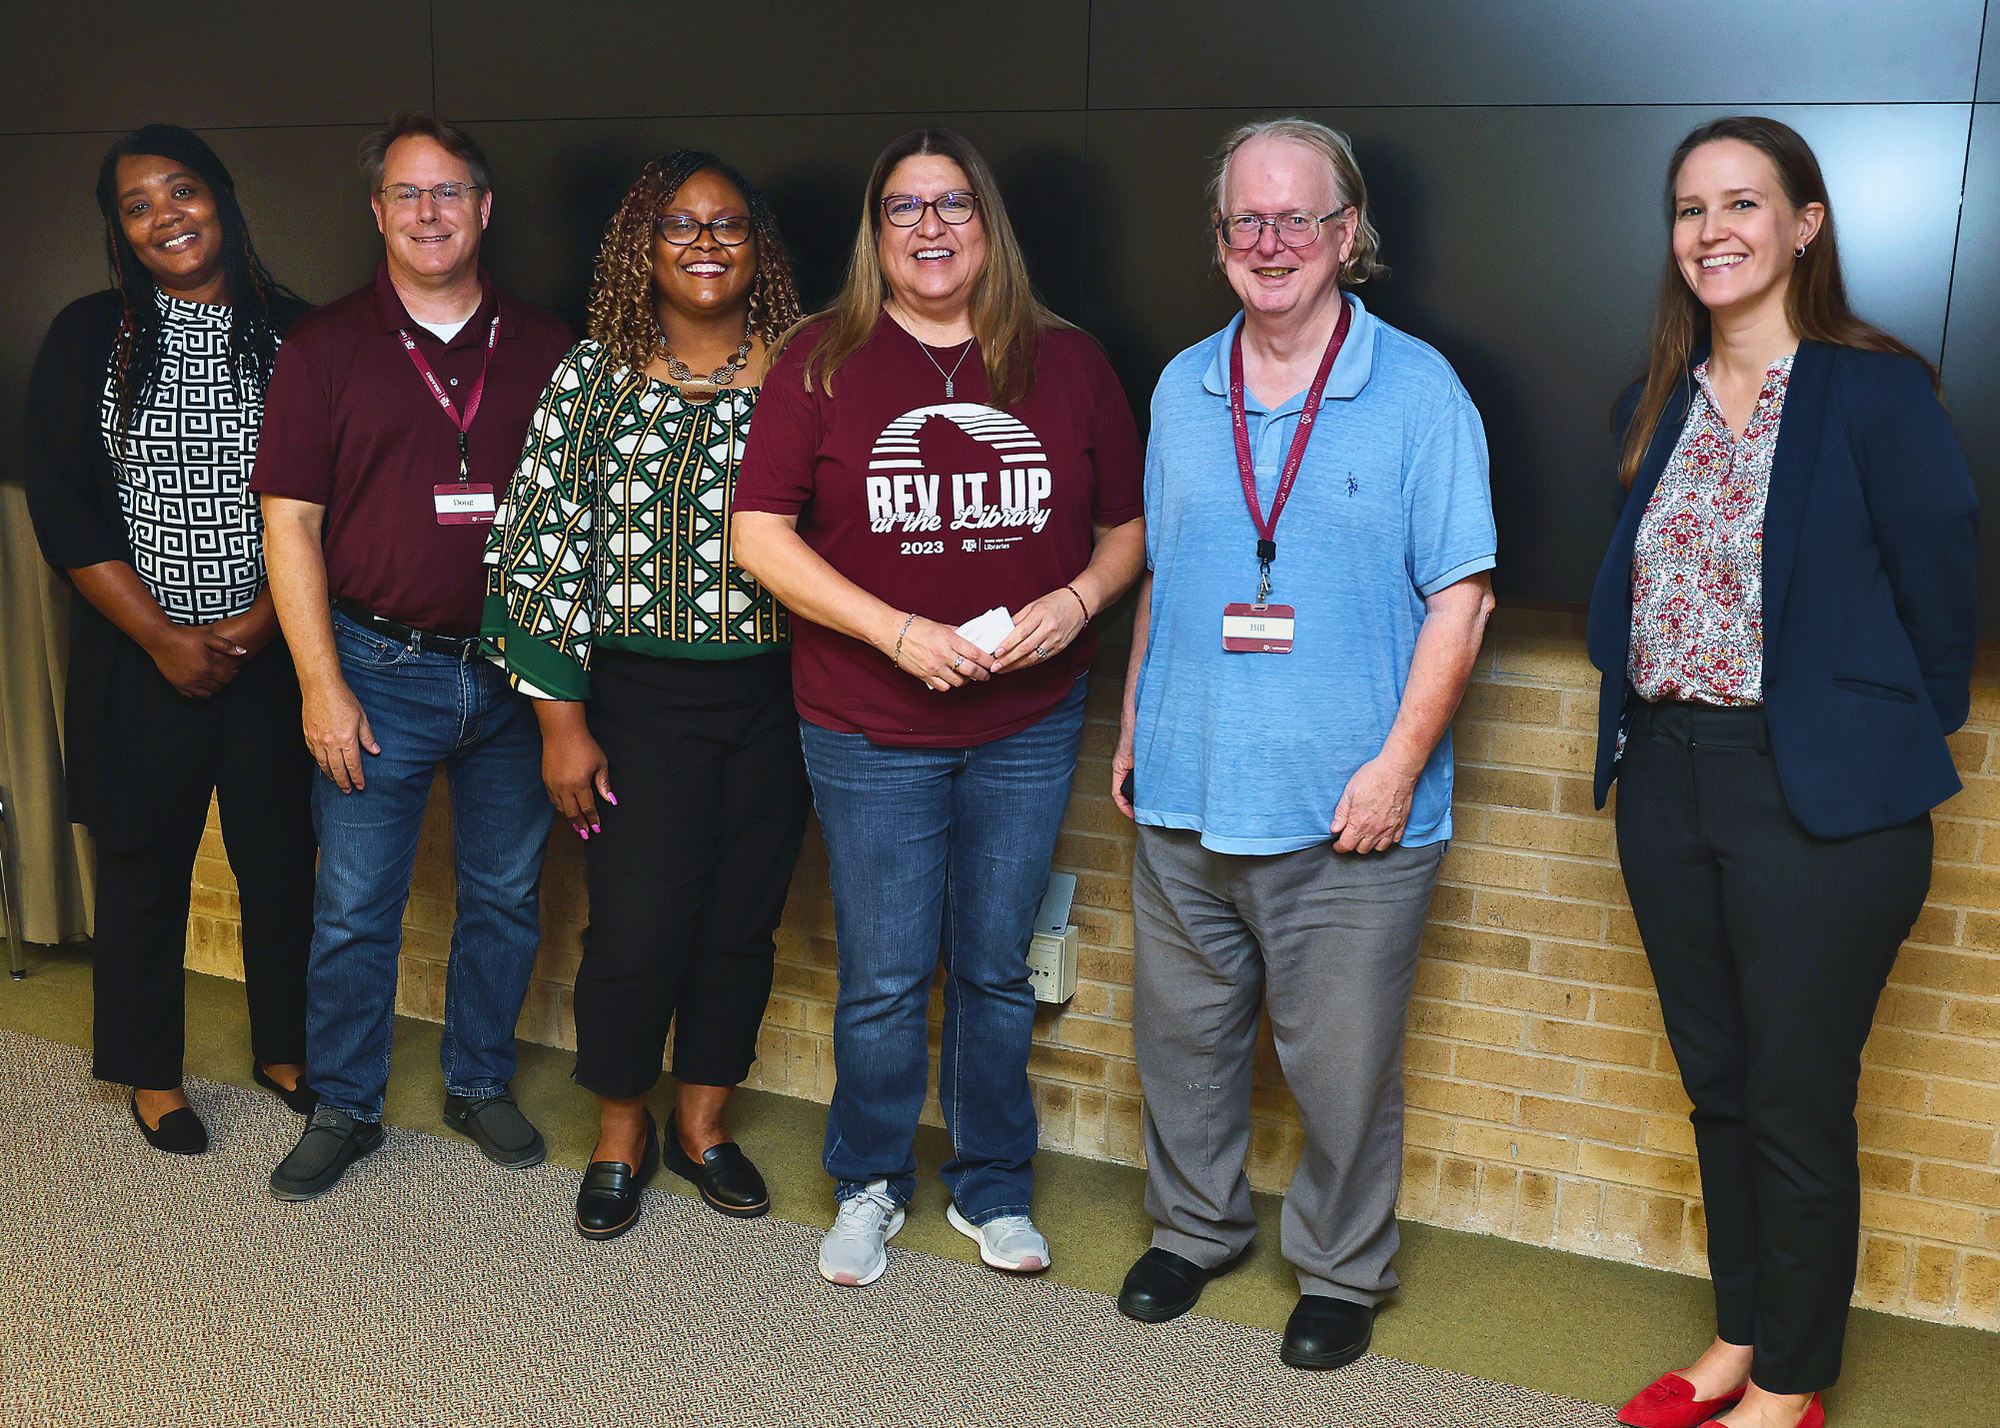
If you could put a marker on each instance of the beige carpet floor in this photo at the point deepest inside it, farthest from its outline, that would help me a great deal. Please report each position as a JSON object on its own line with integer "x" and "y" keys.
{"x": 433, "y": 1289}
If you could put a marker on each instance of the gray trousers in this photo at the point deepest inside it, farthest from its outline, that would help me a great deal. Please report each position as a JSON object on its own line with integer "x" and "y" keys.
{"x": 1326, "y": 942}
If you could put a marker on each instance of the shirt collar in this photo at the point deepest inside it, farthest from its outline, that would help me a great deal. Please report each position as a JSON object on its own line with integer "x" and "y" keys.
{"x": 1351, "y": 369}
{"x": 392, "y": 315}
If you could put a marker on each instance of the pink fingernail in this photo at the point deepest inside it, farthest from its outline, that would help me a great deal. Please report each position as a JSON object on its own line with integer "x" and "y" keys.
{"x": 612, "y": 799}
{"x": 595, "y": 829}
{"x": 583, "y": 834}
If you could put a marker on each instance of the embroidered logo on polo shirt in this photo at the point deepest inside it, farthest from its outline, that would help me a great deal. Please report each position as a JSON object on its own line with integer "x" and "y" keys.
{"x": 1011, "y": 494}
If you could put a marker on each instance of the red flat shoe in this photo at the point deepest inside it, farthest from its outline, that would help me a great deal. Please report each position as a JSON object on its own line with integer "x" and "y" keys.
{"x": 1813, "y": 1417}
{"x": 1669, "y": 1402}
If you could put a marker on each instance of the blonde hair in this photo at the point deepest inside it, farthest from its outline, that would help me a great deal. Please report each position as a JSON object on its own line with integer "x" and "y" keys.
{"x": 1363, "y": 260}
{"x": 1007, "y": 317}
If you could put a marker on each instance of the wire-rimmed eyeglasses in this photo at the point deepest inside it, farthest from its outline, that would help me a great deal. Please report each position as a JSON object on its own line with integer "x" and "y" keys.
{"x": 1296, "y": 229}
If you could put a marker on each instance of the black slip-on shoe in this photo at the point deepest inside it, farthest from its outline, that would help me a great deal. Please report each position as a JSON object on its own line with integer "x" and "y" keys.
{"x": 301, "y": 1098}
{"x": 495, "y": 1124}
{"x": 333, "y": 1140}
{"x": 724, "y": 1175}
{"x": 180, "y": 1131}
{"x": 1327, "y": 1333}
{"x": 1162, "y": 1285}
{"x": 608, "y": 1203}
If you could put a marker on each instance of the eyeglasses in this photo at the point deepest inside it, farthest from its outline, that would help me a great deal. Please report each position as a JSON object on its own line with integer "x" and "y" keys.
{"x": 1297, "y": 229}
{"x": 444, "y": 195}
{"x": 906, "y": 210}
{"x": 681, "y": 231}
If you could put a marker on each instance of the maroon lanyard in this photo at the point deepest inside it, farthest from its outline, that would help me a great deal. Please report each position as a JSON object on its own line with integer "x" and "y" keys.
{"x": 1267, "y": 530}
{"x": 463, "y": 424}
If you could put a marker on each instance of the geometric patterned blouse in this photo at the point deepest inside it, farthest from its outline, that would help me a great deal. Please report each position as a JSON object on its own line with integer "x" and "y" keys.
{"x": 615, "y": 530}
{"x": 183, "y": 471}
{"x": 1698, "y": 561}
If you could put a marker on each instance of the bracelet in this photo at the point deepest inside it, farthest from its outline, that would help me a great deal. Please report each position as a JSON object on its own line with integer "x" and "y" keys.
{"x": 897, "y": 655}
{"x": 1079, "y": 600}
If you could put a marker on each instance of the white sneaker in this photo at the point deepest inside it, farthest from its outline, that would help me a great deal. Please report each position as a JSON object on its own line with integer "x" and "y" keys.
{"x": 854, "y": 1250}
{"x": 1009, "y": 1242}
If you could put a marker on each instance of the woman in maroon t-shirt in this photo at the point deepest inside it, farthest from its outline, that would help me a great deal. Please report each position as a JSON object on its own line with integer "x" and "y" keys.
{"x": 935, "y": 447}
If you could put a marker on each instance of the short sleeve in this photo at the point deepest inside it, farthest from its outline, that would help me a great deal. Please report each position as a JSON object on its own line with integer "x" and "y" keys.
{"x": 1447, "y": 497}
{"x": 779, "y": 455}
{"x": 1118, "y": 460}
{"x": 295, "y": 446}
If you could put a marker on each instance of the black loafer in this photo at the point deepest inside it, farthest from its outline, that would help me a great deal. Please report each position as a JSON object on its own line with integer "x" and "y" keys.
{"x": 180, "y": 1131}
{"x": 333, "y": 1140}
{"x": 1162, "y": 1285}
{"x": 608, "y": 1203}
{"x": 1327, "y": 1333}
{"x": 724, "y": 1175}
{"x": 301, "y": 1098}
{"x": 495, "y": 1124}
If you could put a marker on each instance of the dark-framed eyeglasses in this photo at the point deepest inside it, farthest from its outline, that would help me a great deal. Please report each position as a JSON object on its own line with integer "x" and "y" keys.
{"x": 681, "y": 230}
{"x": 444, "y": 195}
{"x": 906, "y": 210}
{"x": 1297, "y": 229}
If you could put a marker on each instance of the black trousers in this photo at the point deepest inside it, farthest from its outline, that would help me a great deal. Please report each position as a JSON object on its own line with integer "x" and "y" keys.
{"x": 689, "y": 875}
{"x": 1770, "y": 948}
{"x": 243, "y": 746}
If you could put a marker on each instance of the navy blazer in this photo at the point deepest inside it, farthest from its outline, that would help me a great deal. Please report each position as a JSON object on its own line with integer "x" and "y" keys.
{"x": 1871, "y": 612}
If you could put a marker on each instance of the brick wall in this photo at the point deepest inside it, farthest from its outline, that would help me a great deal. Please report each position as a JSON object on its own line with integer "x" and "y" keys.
{"x": 1544, "y": 1105}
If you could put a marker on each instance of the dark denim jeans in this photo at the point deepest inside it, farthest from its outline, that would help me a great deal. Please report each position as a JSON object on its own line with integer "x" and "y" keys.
{"x": 939, "y": 852}
{"x": 425, "y": 710}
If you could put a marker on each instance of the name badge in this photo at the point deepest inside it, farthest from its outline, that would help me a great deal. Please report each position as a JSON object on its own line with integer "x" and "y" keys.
{"x": 463, "y": 504}
{"x": 1257, "y": 629}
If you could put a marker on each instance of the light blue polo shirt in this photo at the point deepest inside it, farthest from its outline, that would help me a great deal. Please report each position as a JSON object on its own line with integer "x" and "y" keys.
{"x": 1391, "y": 505}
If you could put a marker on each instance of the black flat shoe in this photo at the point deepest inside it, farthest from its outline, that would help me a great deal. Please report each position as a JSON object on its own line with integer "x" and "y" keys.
{"x": 1162, "y": 1285}
{"x": 607, "y": 1205}
{"x": 301, "y": 1098}
{"x": 1327, "y": 1333}
{"x": 180, "y": 1131}
{"x": 724, "y": 1175}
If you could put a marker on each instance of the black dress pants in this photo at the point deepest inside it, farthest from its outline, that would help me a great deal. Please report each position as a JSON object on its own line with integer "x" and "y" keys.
{"x": 1770, "y": 948}
{"x": 689, "y": 875}
{"x": 243, "y": 745}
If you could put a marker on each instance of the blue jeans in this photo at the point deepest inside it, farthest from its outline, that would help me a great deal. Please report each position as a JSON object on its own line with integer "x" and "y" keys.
{"x": 939, "y": 852}
{"x": 425, "y": 710}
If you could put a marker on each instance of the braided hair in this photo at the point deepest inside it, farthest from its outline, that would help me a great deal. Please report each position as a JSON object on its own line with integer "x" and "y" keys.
{"x": 622, "y": 318}
{"x": 253, "y": 324}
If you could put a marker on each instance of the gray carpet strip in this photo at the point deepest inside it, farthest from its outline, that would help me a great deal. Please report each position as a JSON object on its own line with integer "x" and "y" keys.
{"x": 431, "y": 1288}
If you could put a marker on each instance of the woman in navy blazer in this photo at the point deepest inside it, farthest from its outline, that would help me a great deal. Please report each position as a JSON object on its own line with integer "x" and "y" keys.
{"x": 1785, "y": 622}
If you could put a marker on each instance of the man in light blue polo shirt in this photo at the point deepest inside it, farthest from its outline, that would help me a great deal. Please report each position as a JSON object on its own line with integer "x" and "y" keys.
{"x": 1286, "y": 730}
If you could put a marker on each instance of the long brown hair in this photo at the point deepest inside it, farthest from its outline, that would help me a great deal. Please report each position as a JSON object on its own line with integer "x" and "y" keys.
{"x": 1815, "y": 301}
{"x": 622, "y": 315}
{"x": 1007, "y": 317}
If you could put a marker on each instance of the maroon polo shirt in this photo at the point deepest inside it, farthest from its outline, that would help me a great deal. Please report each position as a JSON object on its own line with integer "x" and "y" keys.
{"x": 350, "y": 424}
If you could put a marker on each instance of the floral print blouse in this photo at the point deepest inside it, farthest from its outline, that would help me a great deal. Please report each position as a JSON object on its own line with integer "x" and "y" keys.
{"x": 1698, "y": 564}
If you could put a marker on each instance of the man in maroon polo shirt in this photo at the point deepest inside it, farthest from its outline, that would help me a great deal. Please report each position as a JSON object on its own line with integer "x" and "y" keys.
{"x": 394, "y": 420}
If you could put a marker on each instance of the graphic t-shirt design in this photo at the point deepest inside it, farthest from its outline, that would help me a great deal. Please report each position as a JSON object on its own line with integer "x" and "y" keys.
{"x": 903, "y": 496}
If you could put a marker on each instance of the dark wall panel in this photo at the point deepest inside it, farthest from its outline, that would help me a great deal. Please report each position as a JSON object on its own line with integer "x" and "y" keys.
{"x": 1972, "y": 350}
{"x": 1175, "y": 53}
{"x": 223, "y": 63}
{"x": 1527, "y": 247}
{"x": 526, "y": 59}
{"x": 559, "y": 183}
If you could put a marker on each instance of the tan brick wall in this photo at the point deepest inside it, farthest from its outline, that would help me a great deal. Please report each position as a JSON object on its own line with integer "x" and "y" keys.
{"x": 1544, "y": 1104}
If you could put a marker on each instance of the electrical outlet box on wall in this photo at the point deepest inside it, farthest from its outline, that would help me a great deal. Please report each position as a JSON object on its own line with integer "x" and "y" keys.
{"x": 1052, "y": 949}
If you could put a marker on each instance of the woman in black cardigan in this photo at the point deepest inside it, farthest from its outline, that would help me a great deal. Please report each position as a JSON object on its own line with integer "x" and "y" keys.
{"x": 1785, "y": 622}
{"x": 142, "y": 422}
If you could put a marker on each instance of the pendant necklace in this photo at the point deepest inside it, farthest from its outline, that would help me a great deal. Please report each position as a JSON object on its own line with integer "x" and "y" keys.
{"x": 949, "y": 391}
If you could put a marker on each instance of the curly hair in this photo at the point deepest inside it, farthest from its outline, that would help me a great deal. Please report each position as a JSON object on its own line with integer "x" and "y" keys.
{"x": 622, "y": 318}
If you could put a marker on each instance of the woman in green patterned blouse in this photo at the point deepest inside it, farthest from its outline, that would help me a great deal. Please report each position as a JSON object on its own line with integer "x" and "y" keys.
{"x": 661, "y": 669}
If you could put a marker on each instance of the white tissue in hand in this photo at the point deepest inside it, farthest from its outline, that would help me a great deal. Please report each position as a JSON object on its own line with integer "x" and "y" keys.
{"x": 989, "y": 629}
